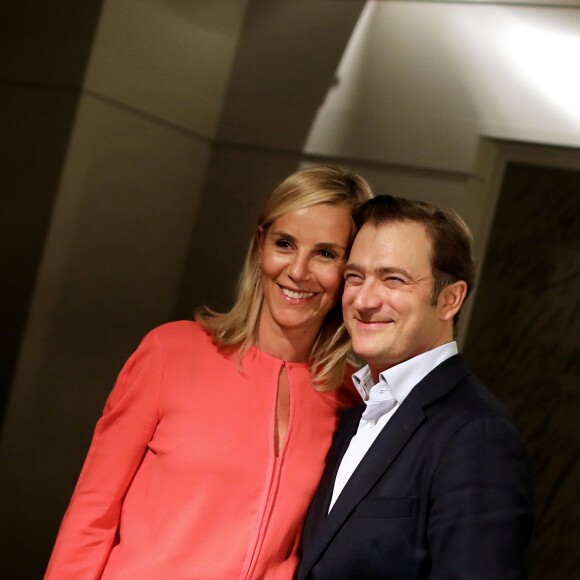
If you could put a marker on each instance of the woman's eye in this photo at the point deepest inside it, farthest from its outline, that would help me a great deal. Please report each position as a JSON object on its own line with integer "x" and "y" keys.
{"x": 283, "y": 244}
{"x": 327, "y": 254}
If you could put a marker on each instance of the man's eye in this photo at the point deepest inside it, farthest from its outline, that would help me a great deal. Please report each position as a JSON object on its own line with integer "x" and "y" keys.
{"x": 353, "y": 279}
{"x": 394, "y": 281}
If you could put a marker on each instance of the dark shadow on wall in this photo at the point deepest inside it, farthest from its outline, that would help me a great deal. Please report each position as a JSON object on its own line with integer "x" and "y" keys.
{"x": 44, "y": 49}
{"x": 279, "y": 80}
{"x": 226, "y": 221}
{"x": 523, "y": 342}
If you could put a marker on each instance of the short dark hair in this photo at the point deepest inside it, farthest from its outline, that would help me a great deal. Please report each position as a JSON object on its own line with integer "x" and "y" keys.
{"x": 451, "y": 256}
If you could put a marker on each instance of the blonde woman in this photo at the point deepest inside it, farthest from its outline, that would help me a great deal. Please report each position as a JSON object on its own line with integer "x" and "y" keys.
{"x": 214, "y": 437}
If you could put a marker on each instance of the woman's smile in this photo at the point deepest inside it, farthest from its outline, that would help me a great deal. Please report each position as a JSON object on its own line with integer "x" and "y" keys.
{"x": 302, "y": 257}
{"x": 296, "y": 295}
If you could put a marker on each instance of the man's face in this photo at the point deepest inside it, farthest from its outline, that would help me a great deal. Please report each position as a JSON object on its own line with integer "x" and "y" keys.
{"x": 387, "y": 294}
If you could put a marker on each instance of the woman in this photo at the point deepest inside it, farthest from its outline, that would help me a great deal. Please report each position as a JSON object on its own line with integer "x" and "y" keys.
{"x": 213, "y": 439}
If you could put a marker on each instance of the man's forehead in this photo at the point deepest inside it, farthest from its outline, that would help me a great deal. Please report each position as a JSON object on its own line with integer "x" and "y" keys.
{"x": 395, "y": 247}
{"x": 393, "y": 237}
{"x": 395, "y": 224}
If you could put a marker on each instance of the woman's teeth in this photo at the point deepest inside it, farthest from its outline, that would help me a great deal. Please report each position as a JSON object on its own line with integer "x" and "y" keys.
{"x": 297, "y": 295}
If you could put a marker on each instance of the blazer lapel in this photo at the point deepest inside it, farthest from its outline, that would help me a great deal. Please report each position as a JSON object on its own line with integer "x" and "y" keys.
{"x": 379, "y": 457}
{"x": 319, "y": 507}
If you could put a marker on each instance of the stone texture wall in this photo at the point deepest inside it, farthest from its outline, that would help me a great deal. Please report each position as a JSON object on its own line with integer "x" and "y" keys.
{"x": 523, "y": 342}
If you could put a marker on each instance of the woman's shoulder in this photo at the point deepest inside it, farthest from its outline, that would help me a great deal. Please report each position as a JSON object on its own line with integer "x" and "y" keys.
{"x": 180, "y": 333}
{"x": 179, "y": 328}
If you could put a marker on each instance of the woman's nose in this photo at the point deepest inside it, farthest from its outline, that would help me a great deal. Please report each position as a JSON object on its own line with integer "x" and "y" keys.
{"x": 299, "y": 267}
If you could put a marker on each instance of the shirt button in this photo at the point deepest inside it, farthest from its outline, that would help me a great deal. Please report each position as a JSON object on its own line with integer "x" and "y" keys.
{"x": 372, "y": 423}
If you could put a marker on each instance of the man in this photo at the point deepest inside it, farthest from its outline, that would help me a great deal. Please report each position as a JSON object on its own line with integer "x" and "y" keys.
{"x": 429, "y": 479}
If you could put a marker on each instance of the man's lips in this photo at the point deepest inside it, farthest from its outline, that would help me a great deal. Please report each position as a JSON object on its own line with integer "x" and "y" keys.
{"x": 372, "y": 323}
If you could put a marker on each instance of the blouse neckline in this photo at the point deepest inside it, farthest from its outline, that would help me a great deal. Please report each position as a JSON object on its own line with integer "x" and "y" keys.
{"x": 255, "y": 351}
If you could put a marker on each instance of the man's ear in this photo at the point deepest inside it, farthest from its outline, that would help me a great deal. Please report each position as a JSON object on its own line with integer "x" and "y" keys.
{"x": 450, "y": 299}
{"x": 260, "y": 236}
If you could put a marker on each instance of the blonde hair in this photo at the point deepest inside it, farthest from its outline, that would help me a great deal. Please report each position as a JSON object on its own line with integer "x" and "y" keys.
{"x": 239, "y": 326}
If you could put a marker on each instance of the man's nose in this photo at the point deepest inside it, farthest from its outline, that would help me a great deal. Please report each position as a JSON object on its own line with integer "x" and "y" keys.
{"x": 367, "y": 298}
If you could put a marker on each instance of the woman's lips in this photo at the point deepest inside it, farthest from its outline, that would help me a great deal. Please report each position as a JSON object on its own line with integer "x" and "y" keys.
{"x": 295, "y": 294}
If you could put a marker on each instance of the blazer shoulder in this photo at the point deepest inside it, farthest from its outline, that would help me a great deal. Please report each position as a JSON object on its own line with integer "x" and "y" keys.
{"x": 469, "y": 402}
{"x": 451, "y": 389}
{"x": 480, "y": 398}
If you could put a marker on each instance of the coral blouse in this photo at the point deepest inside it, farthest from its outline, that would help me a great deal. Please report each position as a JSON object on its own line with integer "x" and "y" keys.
{"x": 181, "y": 480}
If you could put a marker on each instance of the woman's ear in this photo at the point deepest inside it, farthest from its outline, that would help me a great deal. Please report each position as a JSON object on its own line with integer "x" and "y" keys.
{"x": 450, "y": 299}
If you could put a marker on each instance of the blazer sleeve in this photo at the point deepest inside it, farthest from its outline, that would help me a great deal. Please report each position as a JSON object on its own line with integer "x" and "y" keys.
{"x": 120, "y": 439}
{"x": 481, "y": 504}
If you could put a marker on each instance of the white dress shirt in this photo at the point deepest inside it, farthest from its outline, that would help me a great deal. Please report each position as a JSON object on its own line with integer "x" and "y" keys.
{"x": 382, "y": 401}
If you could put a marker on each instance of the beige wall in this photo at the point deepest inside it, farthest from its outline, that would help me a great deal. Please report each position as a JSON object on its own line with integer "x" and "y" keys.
{"x": 118, "y": 214}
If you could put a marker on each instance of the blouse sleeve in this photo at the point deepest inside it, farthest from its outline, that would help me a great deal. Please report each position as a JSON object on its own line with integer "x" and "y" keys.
{"x": 120, "y": 439}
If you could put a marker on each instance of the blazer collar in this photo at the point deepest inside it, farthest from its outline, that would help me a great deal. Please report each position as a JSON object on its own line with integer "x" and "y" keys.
{"x": 379, "y": 457}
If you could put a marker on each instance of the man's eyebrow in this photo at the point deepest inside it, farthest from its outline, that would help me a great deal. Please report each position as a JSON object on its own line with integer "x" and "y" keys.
{"x": 381, "y": 271}
{"x": 392, "y": 270}
{"x": 352, "y": 267}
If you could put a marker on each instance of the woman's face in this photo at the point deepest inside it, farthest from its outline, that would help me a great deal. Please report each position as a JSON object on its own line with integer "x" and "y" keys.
{"x": 302, "y": 256}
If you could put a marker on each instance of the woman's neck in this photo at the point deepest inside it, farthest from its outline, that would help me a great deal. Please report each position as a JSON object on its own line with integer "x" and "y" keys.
{"x": 291, "y": 345}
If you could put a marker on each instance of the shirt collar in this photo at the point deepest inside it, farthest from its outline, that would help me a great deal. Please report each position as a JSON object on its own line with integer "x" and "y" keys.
{"x": 400, "y": 379}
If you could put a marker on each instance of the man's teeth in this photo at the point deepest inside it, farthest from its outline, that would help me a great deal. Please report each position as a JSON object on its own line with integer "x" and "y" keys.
{"x": 297, "y": 295}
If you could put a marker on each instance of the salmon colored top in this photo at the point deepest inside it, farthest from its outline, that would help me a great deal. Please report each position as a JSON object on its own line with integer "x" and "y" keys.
{"x": 181, "y": 481}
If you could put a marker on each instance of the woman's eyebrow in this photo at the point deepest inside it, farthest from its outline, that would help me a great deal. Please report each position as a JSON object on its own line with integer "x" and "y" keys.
{"x": 319, "y": 246}
{"x": 329, "y": 246}
{"x": 283, "y": 234}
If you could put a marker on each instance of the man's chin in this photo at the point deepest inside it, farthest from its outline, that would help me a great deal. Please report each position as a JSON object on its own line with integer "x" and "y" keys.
{"x": 368, "y": 355}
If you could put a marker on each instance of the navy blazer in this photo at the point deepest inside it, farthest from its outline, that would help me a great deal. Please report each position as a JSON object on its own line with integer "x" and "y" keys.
{"x": 444, "y": 492}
